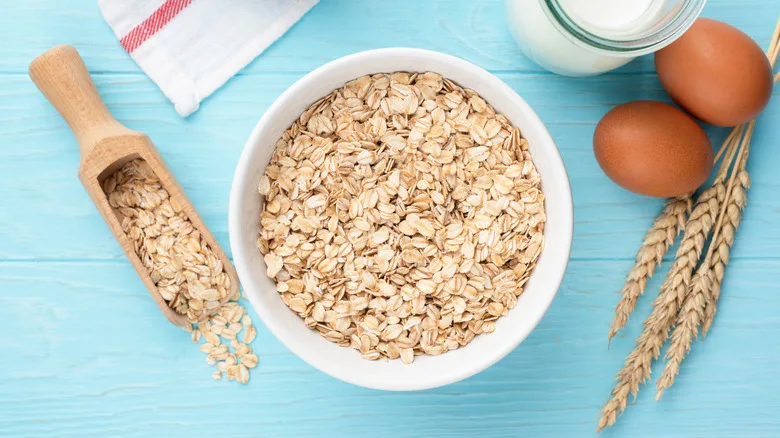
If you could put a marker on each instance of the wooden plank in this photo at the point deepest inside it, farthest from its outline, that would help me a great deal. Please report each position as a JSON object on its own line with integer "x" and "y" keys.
{"x": 473, "y": 30}
{"x": 89, "y": 354}
{"x": 47, "y": 215}
{"x": 85, "y": 352}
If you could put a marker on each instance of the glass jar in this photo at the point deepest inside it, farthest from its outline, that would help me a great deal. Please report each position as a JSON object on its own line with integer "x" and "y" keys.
{"x": 589, "y": 37}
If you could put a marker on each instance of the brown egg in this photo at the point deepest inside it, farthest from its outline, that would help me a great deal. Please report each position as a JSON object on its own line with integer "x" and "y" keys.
{"x": 653, "y": 149}
{"x": 716, "y": 73}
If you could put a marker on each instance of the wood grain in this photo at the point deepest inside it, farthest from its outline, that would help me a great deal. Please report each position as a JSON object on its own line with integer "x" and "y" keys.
{"x": 569, "y": 107}
{"x": 84, "y": 352}
{"x": 473, "y": 30}
{"x": 90, "y": 356}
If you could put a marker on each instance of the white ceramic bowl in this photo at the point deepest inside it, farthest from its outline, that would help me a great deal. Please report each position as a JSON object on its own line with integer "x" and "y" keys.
{"x": 345, "y": 363}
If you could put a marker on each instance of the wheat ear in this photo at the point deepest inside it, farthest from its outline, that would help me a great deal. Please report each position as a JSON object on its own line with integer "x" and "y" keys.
{"x": 699, "y": 293}
{"x": 654, "y": 247}
{"x": 723, "y": 246}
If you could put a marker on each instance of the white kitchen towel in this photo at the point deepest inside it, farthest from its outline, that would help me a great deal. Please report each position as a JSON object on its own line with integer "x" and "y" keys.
{"x": 190, "y": 48}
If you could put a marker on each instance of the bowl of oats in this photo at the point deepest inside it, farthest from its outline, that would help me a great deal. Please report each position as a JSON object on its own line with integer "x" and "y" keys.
{"x": 400, "y": 219}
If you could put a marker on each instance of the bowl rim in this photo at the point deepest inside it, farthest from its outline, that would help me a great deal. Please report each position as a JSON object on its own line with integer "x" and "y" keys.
{"x": 241, "y": 176}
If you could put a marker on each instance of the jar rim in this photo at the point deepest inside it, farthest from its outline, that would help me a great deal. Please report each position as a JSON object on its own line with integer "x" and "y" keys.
{"x": 647, "y": 42}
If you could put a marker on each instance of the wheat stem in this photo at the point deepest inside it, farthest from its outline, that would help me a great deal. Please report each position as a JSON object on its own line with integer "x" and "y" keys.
{"x": 726, "y": 146}
{"x": 774, "y": 47}
{"x": 731, "y": 150}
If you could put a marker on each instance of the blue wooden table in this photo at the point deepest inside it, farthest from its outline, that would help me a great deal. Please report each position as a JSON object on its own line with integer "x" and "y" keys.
{"x": 85, "y": 352}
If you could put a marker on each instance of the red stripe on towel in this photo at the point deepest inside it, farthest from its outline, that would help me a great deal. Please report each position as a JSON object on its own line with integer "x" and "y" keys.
{"x": 159, "y": 18}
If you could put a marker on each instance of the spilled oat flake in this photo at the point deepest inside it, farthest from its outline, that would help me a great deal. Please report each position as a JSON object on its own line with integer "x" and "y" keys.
{"x": 226, "y": 336}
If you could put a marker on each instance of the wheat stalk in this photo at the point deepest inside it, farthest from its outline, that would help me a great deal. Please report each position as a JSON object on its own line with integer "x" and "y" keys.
{"x": 692, "y": 312}
{"x": 654, "y": 247}
{"x": 636, "y": 370}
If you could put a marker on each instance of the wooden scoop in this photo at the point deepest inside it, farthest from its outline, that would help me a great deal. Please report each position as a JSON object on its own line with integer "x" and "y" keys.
{"x": 106, "y": 146}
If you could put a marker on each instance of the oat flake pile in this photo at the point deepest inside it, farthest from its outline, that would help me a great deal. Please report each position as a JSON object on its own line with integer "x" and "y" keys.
{"x": 401, "y": 216}
{"x": 187, "y": 273}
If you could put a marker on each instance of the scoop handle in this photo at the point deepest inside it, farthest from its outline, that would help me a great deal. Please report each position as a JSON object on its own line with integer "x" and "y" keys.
{"x": 62, "y": 76}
